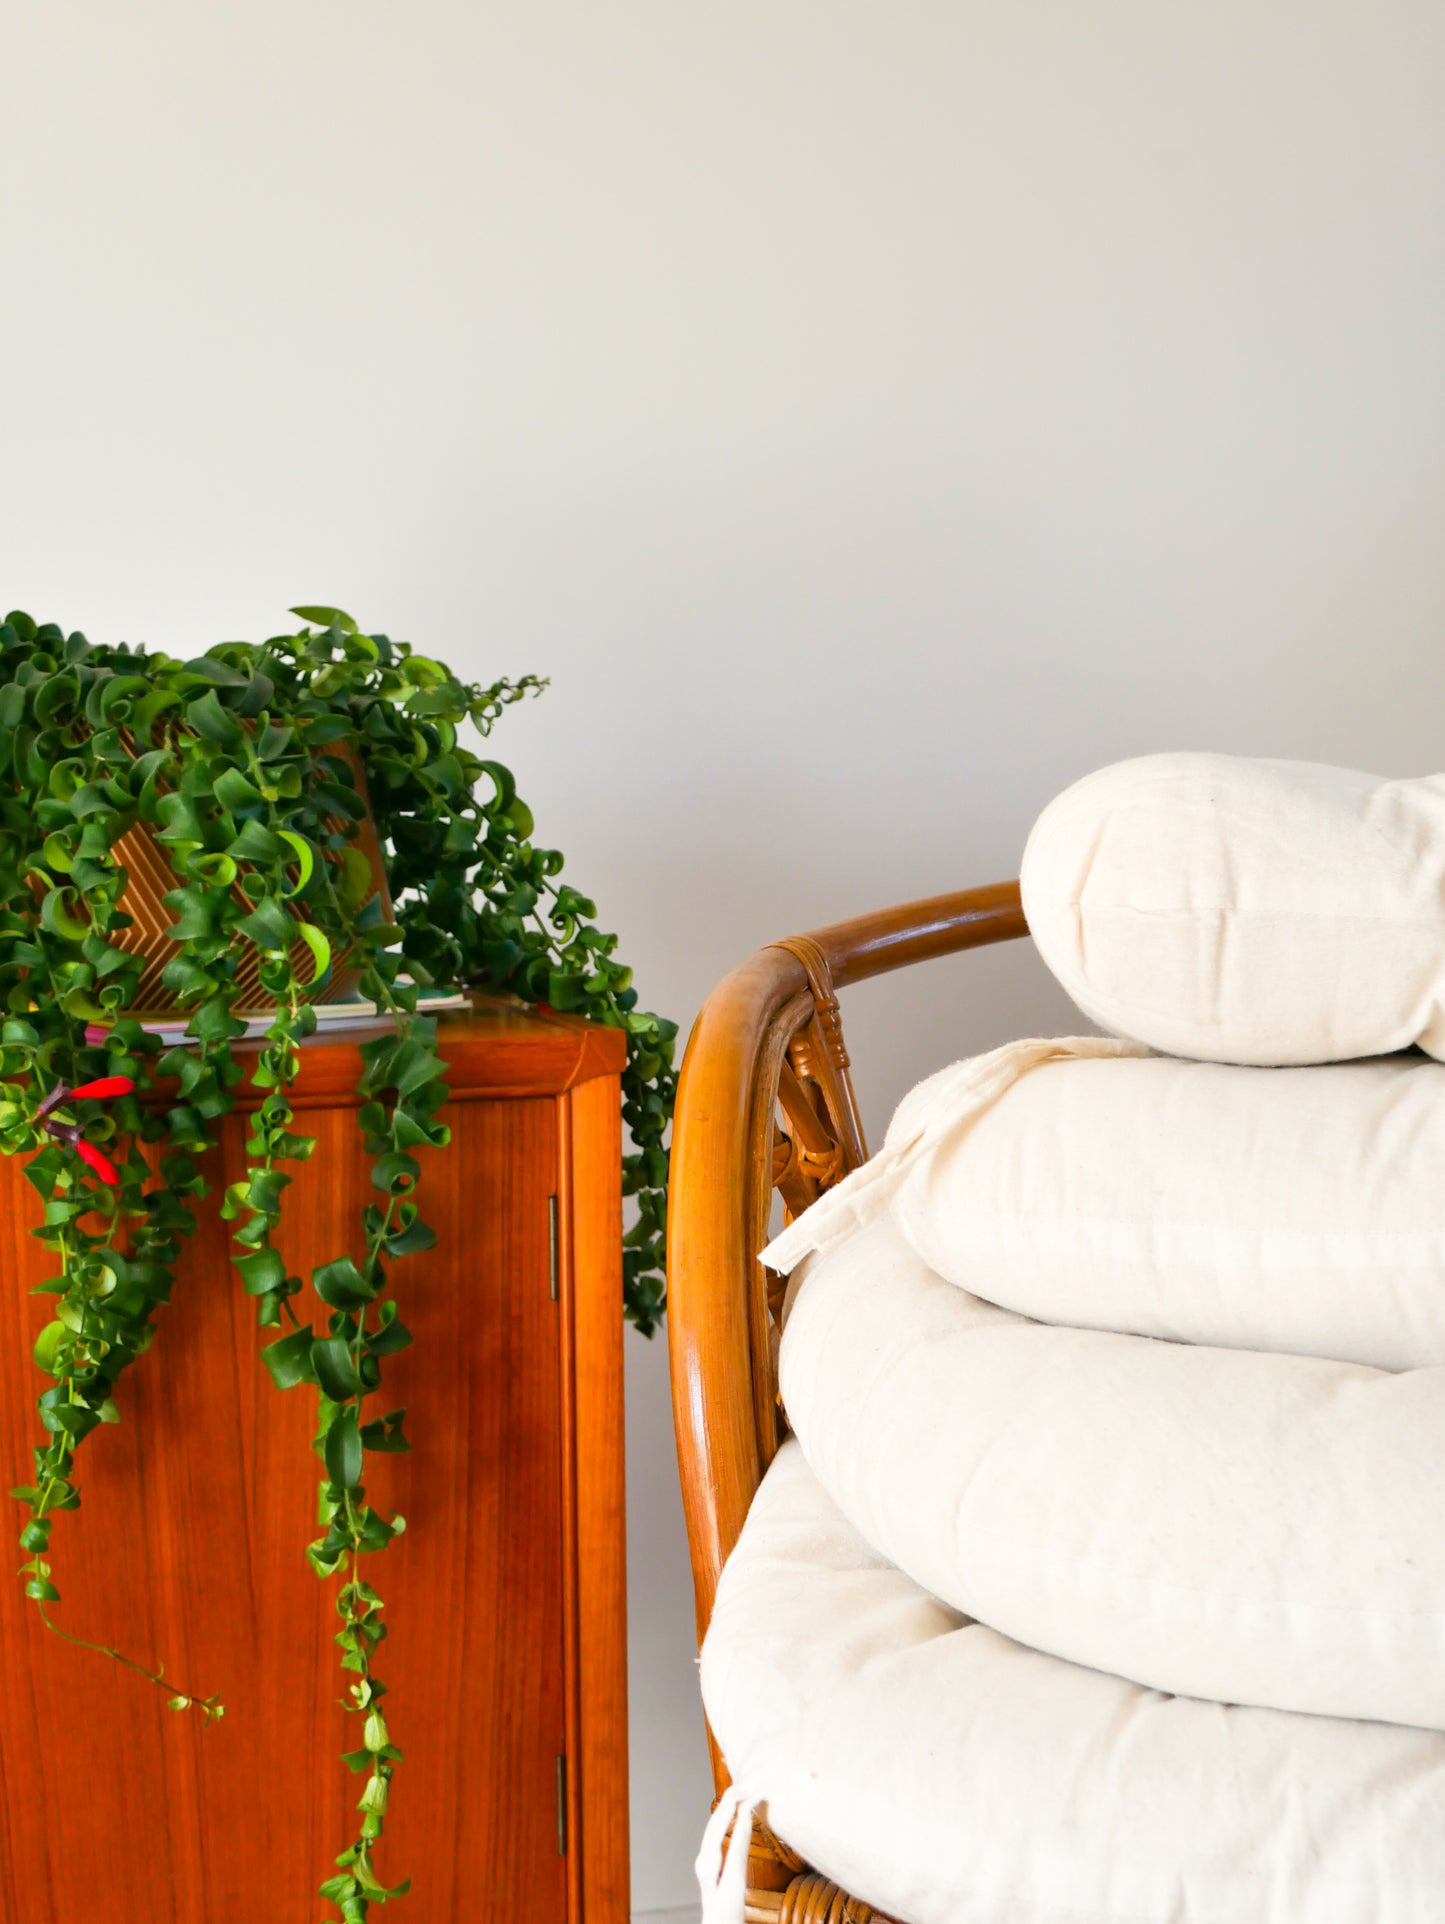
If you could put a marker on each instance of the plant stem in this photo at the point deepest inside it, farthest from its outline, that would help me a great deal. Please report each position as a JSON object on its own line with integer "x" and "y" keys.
{"x": 212, "y": 1707}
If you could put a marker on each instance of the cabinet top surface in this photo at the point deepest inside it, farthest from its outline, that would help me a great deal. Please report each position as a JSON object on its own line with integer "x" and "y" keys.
{"x": 498, "y": 1048}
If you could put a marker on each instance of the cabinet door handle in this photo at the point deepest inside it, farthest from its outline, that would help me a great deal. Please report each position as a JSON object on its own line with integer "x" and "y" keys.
{"x": 553, "y": 1250}
{"x": 561, "y": 1806}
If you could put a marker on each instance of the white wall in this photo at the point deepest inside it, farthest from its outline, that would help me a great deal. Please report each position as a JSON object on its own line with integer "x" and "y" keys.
{"x": 871, "y": 414}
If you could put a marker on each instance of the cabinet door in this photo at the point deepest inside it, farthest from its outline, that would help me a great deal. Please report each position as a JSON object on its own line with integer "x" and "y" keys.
{"x": 190, "y": 1545}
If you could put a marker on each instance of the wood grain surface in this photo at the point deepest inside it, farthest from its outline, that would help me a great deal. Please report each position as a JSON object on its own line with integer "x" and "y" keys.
{"x": 196, "y": 1509}
{"x": 594, "y": 1336}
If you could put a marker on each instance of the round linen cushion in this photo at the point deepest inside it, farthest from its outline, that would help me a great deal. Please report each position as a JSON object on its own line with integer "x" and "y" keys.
{"x": 1276, "y": 1209}
{"x": 1246, "y": 911}
{"x": 1254, "y": 1528}
{"x": 948, "y": 1776}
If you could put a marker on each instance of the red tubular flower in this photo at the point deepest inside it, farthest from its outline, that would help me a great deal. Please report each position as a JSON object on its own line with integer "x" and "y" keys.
{"x": 102, "y": 1165}
{"x": 69, "y": 1132}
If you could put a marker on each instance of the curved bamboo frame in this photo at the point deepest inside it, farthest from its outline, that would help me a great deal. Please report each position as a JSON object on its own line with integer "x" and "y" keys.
{"x": 765, "y": 1102}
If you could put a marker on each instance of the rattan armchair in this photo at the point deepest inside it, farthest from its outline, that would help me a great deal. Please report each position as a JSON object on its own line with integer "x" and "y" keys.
{"x": 766, "y": 1103}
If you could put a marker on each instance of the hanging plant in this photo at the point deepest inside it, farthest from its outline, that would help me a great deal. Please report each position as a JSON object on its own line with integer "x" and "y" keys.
{"x": 242, "y": 767}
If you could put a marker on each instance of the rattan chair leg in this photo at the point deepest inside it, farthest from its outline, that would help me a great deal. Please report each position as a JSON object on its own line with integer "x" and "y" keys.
{"x": 810, "y": 1898}
{"x": 772, "y": 1864}
{"x": 783, "y": 1889}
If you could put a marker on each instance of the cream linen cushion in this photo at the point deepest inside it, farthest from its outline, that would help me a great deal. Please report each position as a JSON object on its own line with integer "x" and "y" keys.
{"x": 1246, "y": 911}
{"x": 949, "y": 1776}
{"x": 932, "y": 1111}
{"x": 1254, "y": 1528}
{"x": 1278, "y": 1209}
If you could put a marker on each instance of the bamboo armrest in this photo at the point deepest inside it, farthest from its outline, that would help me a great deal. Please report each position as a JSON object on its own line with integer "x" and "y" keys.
{"x": 765, "y": 1101}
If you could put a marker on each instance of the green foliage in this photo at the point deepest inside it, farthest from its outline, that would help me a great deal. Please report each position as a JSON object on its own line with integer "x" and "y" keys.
{"x": 242, "y": 764}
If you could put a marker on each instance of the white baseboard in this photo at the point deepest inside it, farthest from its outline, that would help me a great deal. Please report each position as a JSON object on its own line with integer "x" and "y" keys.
{"x": 685, "y": 1914}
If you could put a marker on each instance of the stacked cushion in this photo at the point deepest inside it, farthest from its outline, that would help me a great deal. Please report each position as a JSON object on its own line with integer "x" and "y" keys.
{"x": 1246, "y": 911}
{"x": 1120, "y": 1373}
{"x": 1272, "y": 1209}
{"x": 950, "y": 1776}
{"x": 1249, "y": 1527}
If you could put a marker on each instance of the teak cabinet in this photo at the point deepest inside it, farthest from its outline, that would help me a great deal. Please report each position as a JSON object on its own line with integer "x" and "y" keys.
{"x": 504, "y": 1600}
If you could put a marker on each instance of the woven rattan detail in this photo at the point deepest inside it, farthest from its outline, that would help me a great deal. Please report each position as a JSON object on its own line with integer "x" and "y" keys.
{"x": 817, "y": 1137}
{"x": 783, "y": 1889}
{"x": 814, "y": 1899}
{"x": 818, "y": 1056}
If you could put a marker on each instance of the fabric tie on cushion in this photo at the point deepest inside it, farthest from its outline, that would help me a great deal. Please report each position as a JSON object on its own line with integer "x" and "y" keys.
{"x": 925, "y": 1116}
{"x": 724, "y": 1882}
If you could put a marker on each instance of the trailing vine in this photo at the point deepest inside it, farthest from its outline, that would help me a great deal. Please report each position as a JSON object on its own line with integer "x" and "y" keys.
{"x": 242, "y": 764}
